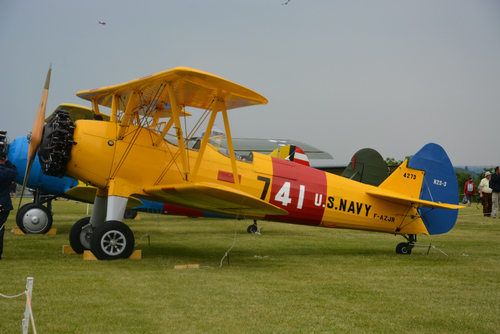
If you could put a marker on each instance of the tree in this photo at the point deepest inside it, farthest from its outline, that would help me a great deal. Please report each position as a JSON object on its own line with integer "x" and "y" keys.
{"x": 394, "y": 162}
{"x": 481, "y": 175}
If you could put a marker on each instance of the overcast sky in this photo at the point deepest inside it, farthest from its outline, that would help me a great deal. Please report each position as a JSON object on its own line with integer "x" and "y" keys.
{"x": 339, "y": 75}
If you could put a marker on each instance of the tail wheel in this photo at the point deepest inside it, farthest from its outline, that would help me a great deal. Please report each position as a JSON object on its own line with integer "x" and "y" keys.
{"x": 34, "y": 218}
{"x": 79, "y": 236}
{"x": 112, "y": 240}
{"x": 130, "y": 214}
{"x": 404, "y": 248}
{"x": 252, "y": 229}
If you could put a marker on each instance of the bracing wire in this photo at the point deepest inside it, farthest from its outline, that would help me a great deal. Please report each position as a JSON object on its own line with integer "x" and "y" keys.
{"x": 428, "y": 189}
{"x": 135, "y": 134}
{"x": 187, "y": 138}
{"x": 404, "y": 216}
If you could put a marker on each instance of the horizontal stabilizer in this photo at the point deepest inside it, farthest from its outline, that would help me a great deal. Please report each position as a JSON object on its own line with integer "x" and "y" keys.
{"x": 406, "y": 200}
{"x": 214, "y": 198}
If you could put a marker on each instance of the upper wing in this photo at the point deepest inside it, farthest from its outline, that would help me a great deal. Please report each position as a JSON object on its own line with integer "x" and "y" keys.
{"x": 192, "y": 88}
{"x": 407, "y": 200}
{"x": 214, "y": 198}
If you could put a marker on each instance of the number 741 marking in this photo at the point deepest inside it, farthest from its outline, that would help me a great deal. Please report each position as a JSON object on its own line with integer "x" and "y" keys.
{"x": 283, "y": 195}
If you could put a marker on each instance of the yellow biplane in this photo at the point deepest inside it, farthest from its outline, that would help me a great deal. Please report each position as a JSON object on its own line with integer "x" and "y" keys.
{"x": 142, "y": 152}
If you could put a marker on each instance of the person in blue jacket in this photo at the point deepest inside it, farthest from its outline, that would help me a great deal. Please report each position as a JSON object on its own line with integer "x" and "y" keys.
{"x": 8, "y": 172}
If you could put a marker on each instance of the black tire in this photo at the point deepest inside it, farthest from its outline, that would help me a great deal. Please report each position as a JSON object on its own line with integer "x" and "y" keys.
{"x": 403, "y": 248}
{"x": 130, "y": 214}
{"x": 112, "y": 240}
{"x": 79, "y": 238}
{"x": 34, "y": 218}
{"x": 252, "y": 229}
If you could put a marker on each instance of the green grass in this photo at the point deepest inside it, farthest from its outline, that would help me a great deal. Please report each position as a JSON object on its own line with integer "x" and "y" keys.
{"x": 290, "y": 279}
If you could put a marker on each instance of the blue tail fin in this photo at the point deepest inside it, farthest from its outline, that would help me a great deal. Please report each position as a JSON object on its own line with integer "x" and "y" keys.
{"x": 439, "y": 185}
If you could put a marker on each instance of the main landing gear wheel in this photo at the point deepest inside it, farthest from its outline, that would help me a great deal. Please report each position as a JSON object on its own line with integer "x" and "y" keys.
{"x": 112, "y": 240}
{"x": 404, "y": 248}
{"x": 34, "y": 218}
{"x": 79, "y": 236}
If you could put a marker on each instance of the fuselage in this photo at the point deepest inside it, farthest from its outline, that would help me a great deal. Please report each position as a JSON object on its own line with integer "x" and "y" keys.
{"x": 125, "y": 166}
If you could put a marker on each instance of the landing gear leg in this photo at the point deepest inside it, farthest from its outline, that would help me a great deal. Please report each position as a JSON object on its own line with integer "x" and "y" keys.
{"x": 99, "y": 211}
{"x": 406, "y": 247}
{"x": 116, "y": 208}
{"x": 79, "y": 236}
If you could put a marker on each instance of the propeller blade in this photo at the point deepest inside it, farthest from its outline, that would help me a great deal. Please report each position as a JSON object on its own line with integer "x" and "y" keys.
{"x": 37, "y": 131}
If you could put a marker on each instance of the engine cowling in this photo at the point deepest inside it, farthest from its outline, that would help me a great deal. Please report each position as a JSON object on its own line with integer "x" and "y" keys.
{"x": 57, "y": 140}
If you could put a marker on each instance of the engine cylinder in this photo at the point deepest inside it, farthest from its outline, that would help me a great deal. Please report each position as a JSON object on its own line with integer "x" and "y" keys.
{"x": 57, "y": 141}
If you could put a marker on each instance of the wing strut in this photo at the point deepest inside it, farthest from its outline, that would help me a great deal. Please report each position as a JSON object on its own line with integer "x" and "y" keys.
{"x": 204, "y": 141}
{"x": 164, "y": 132}
{"x": 114, "y": 109}
{"x": 95, "y": 106}
{"x": 230, "y": 144}
{"x": 132, "y": 103}
{"x": 178, "y": 128}
{"x": 220, "y": 104}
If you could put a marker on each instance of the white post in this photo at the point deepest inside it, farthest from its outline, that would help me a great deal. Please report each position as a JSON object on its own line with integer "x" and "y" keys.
{"x": 26, "y": 320}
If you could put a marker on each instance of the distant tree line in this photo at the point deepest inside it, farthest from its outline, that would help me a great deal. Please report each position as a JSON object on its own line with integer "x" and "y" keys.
{"x": 394, "y": 162}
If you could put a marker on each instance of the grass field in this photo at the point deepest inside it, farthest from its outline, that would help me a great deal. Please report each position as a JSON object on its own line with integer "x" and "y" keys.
{"x": 289, "y": 279}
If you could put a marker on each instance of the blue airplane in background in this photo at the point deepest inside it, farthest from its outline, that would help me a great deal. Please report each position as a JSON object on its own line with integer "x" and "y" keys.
{"x": 37, "y": 218}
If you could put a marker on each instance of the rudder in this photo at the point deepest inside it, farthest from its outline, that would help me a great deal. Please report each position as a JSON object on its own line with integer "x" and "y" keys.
{"x": 439, "y": 185}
